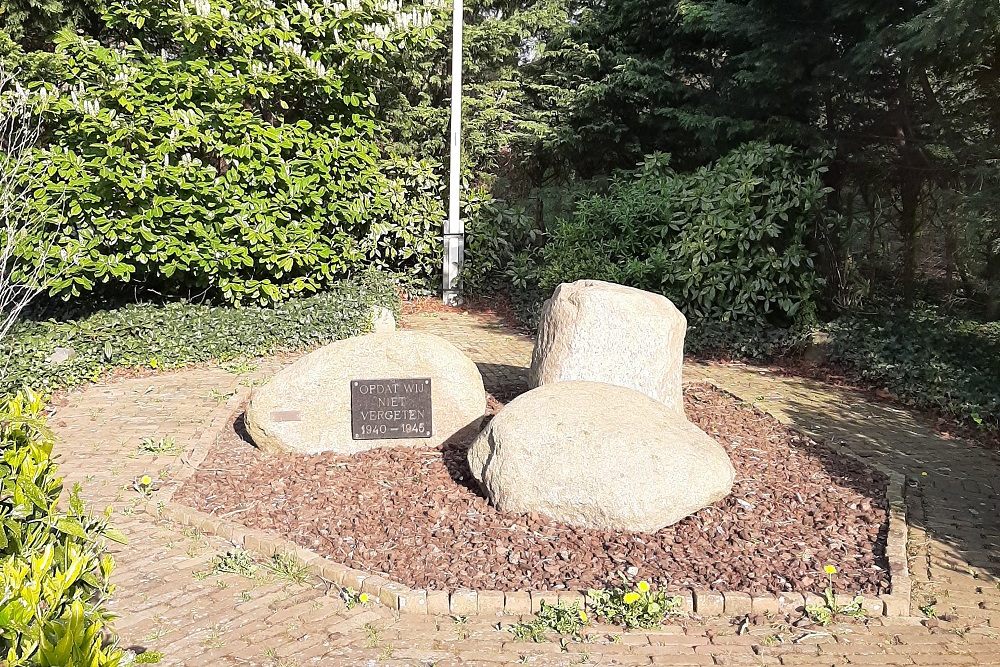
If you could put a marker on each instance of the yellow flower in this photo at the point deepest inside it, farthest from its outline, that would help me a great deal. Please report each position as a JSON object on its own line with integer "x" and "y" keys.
{"x": 363, "y": 597}
{"x": 631, "y": 598}
{"x": 643, "y": 587}
{"x": 583, "y": 616}
{"x": 830, "y": 569}
{"x": 146, "y": 480}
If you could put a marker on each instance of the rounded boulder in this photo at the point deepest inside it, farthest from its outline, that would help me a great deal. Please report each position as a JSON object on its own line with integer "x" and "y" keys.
{"x": 603, "y": 332}
{"x": 600, "y": 456}
{"x": 307, "y": 406}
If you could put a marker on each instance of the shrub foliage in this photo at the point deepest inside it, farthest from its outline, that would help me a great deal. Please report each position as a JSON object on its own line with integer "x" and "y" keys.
{"x": 54, "y": 568}
{"x": 725, "y": 242}
{"x": 230, "y": 148}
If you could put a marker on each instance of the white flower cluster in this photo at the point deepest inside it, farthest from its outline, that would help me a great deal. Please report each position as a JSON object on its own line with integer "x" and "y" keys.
{"x": 295, "y": 49}
{"x": 414, "y": 18}
{"x": 257, "y": 68}
{"x": 84, "y": 106}
{"x": 404, "y": 14}
{"x": 172, "y": 137}
{"x": 316, "y": 66}
{"x": 201, "y": 7}
{"x": 126, "y": 73}
{"x": 305, "y": 9}
{"x": 393, "y": 6}
{"x": 407, "y": 19}
{"x": 18, "y": 94}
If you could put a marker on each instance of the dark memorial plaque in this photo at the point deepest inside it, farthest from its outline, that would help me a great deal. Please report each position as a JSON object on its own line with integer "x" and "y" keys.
{"x": 391, "y": 408}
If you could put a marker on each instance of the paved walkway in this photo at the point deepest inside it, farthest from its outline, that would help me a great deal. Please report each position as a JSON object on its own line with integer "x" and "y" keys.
{"x": 170, "y": 600}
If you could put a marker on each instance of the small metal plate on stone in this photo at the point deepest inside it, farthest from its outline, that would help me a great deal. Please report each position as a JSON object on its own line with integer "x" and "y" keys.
{"x": 286, "y": 416}
{"x": 393, "y": 408}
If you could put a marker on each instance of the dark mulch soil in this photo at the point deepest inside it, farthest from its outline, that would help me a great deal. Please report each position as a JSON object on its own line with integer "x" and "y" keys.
{"x": 415, "y": 515}
{"x": 497, "y": 308}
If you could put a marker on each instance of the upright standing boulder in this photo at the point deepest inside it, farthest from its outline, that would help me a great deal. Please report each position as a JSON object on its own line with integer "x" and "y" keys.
{"x": 600, "y": 456}
{"x": 306, "y": 407}
{"x": 383, "y": 321}
{"x": 602, "y": 332}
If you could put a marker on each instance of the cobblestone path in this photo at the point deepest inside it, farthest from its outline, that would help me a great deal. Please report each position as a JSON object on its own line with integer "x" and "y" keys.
{"x": 169, "y": 600}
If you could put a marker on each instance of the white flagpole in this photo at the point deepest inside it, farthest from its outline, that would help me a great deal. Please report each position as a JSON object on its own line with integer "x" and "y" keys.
{"x": 454, "y": 228}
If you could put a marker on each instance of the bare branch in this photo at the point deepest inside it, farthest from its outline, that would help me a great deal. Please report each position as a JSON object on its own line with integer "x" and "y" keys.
{"x": 24, "y": 244}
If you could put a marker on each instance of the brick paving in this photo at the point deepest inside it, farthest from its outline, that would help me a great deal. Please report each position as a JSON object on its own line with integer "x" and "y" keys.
{"x": 169, "y": 600}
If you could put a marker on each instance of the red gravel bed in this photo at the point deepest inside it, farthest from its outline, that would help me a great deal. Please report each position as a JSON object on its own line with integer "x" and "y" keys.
{"x": 414, "y": 515}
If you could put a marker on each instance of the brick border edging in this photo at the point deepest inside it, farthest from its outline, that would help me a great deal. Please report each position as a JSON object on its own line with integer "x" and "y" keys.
{"x": 467, "y": 602}
{"x": 896, "y": 603}
{"x": 193, "y": 458}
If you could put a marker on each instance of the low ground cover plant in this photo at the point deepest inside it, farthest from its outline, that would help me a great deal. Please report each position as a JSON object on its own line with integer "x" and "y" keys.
{"x": 927, "y": 358}
{"x": 830, "y": 610}
{"x": 566, "y": 620}
{"x": 53, "y": 561}
{"x": 154, "y": 336}
{"x": 353, "y": 598}
{"x": 633, "y": 606}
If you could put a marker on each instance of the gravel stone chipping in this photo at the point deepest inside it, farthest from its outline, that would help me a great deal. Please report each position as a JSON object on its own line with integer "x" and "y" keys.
{"x": 416, "y": 516}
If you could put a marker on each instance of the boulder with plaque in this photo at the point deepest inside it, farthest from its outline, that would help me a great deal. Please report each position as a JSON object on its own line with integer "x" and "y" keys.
{"x": 401, "y": 388}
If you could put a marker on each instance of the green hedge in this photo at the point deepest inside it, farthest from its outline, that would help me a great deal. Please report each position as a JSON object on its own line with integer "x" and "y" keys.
{"x": 228, "y": 148}
{"x": 930, "y": 360}
{"x": 726, "y": 242}
{"x": 54, "y": 567}
{"x": 172, "y": 335}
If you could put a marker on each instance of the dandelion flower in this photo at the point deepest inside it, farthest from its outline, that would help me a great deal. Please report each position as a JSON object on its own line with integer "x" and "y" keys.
{"x": 146, "y": 480}
{"x": 364, "y": 597}
{"x": 631, "y": 598}
{"x": 830, "y": 569}
{"x": 643, "y": 587}
{"x": 583, "y": 616}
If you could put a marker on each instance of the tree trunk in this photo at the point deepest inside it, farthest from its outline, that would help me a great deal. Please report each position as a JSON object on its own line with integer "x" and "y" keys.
{"x": 912, "y": 170}
{"x": 951, "y": 254}
{"x": 993, "y": 287}
{"x": 909, "y": 205}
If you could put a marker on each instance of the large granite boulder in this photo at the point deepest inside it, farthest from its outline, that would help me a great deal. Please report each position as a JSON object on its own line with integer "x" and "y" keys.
{"x": 306, "y": 407}
{"x": 602, "y": 332}
{"x": 600, "y": 456}
{"x": 383, "y": 321}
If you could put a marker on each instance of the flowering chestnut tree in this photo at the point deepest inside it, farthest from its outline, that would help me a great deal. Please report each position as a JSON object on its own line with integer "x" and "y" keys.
{"x": 233, "y": 148}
